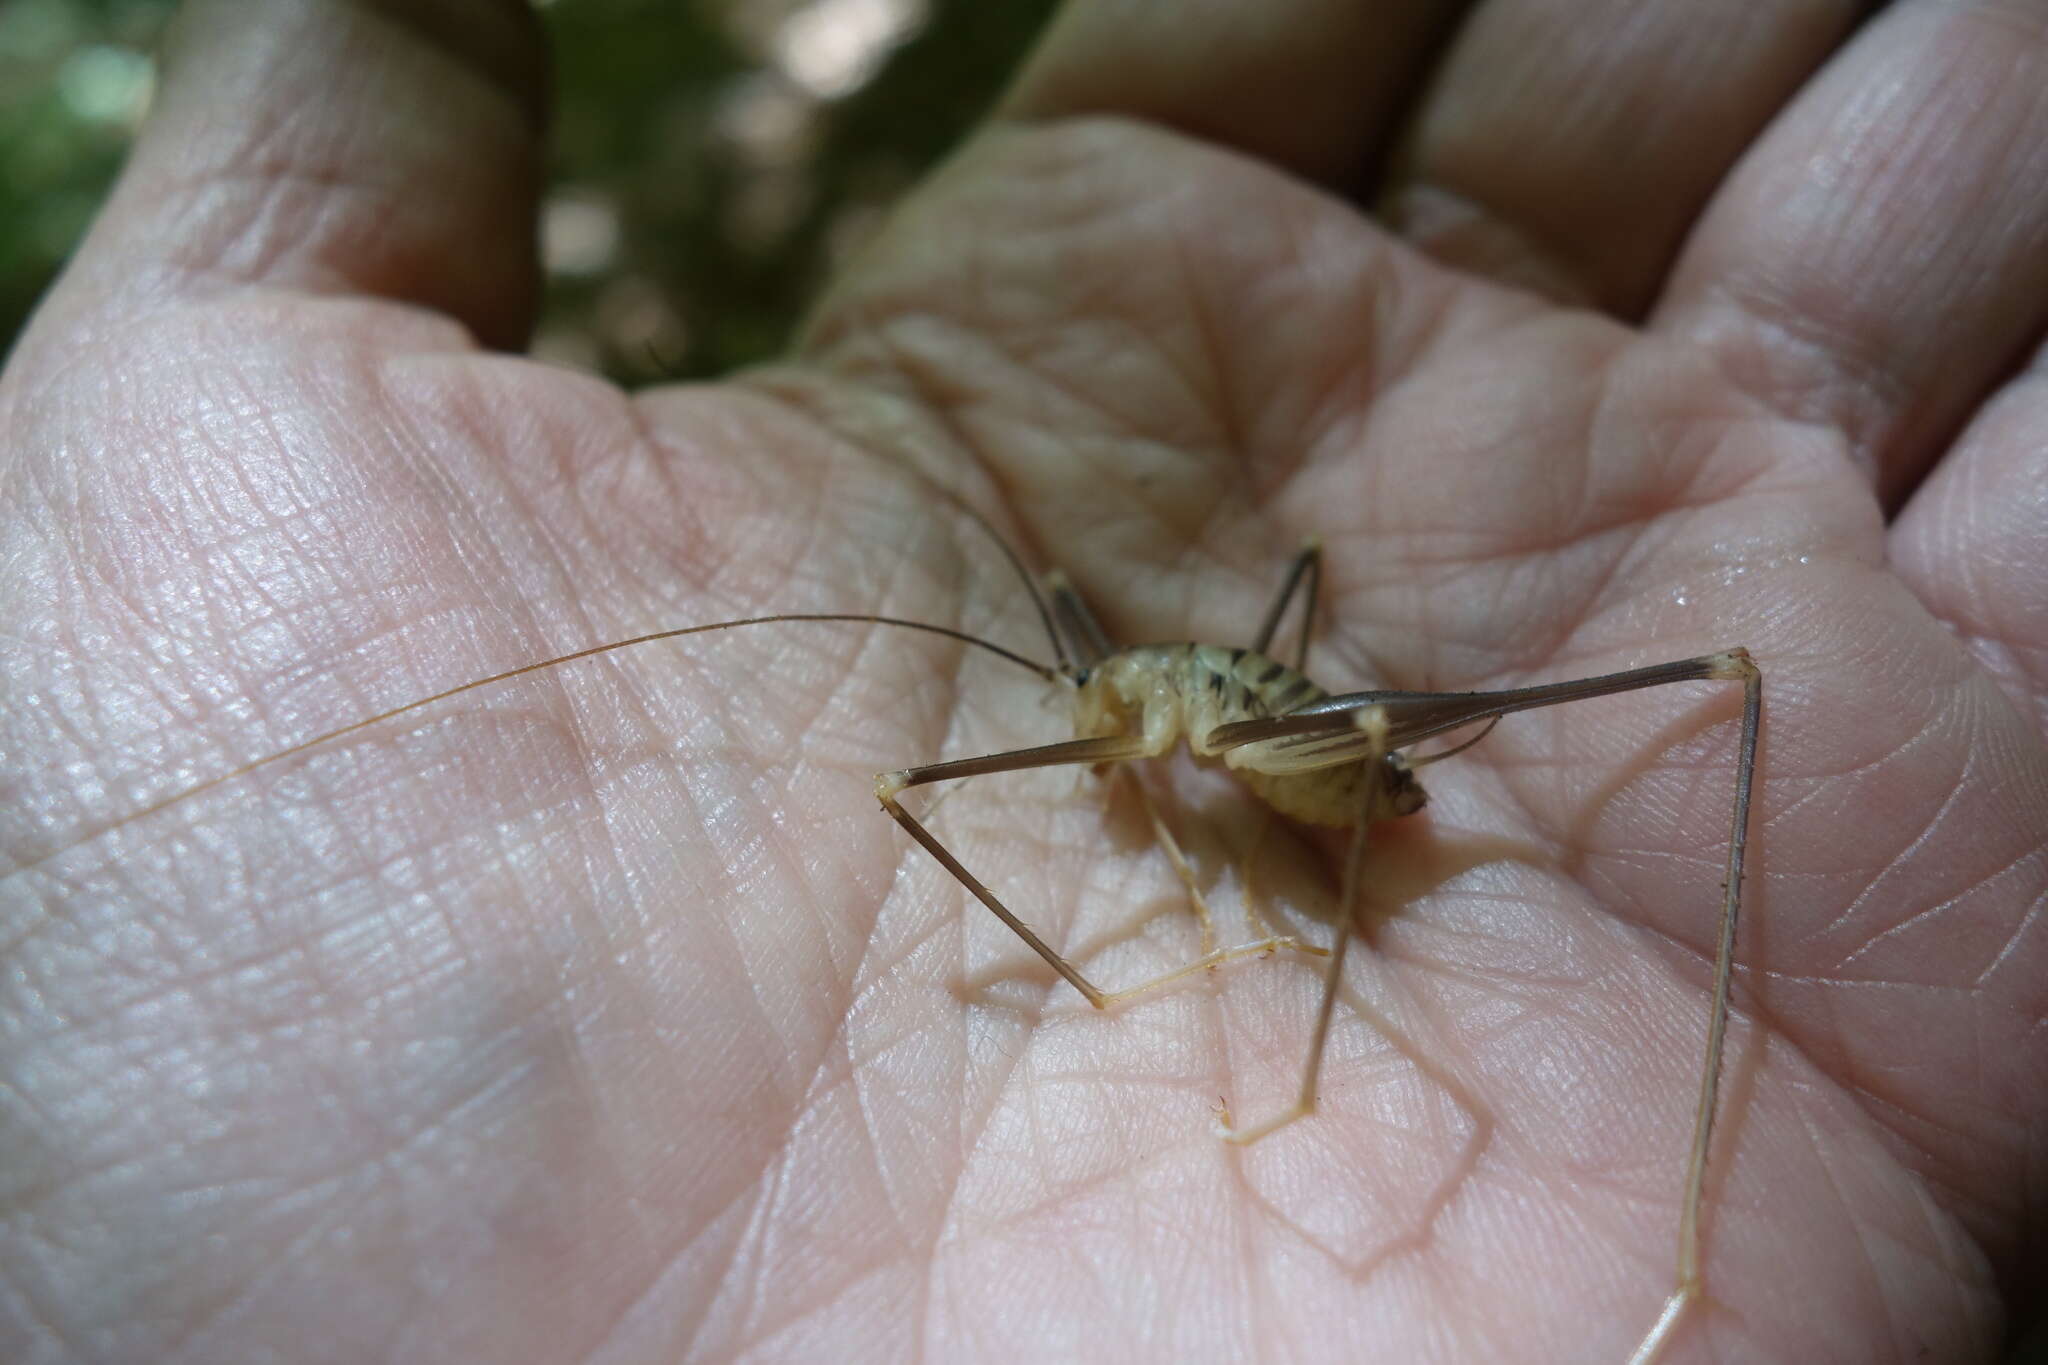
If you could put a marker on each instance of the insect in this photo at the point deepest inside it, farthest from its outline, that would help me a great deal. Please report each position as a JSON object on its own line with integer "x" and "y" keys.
{"x": 1345, "y": 761}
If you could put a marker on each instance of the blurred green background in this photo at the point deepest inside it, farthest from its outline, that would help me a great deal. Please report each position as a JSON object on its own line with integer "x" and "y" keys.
{"x": 711, "y": 158}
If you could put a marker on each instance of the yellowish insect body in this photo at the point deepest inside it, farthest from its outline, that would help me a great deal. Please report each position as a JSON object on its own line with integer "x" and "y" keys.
{"x": 1164, "y": 693}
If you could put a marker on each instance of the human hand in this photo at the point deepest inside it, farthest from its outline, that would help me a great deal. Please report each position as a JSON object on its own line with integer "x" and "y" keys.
{"x": 604, "y": 1016}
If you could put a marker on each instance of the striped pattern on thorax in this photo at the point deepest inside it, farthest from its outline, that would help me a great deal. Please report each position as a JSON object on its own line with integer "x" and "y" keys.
{"x": 1178, "y": 692}
{"x": 1190, "y": 689}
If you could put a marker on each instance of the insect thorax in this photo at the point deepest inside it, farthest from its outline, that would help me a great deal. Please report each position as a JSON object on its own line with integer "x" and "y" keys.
{"x": 1167, "y": 693}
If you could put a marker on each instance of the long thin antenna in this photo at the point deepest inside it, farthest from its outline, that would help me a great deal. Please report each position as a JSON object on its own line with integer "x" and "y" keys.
{"x": 186, "y": 794}
{"x": 1064, "y": 662}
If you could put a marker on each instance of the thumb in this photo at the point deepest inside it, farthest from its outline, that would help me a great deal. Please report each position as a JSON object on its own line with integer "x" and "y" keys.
{"x": 389, "y": 150}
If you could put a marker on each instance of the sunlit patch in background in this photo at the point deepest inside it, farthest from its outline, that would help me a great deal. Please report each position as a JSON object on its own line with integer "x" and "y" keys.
{"x": 579, "y": 231}
{"x": 104, "y": 84}
{"x": 833, "y": 47}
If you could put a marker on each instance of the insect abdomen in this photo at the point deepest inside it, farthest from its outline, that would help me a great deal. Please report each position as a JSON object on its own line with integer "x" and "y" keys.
{"x": 1240, "y": 684}
{"x": 1326, "y": 796}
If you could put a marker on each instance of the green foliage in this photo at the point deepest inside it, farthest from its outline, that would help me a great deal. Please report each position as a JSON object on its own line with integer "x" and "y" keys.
{"x": 73, "y": 79}
{"x": 734, "y": 189}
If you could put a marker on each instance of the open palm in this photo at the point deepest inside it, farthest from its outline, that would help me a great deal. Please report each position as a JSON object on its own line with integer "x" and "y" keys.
{"x": 601, "y": 1015}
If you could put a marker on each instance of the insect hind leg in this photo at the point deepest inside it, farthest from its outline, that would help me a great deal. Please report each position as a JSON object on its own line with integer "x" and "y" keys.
{"x": 1305, "y": 573}
{"x": 1333, "y": 976}
{"x": 1267, "y": 942}
{"x": 1117, "y": 749}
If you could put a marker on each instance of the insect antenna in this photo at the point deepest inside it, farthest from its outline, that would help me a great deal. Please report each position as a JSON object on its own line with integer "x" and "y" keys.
{"x": 1424, "y": 760}
{"x": 1044, "y": 671}
{"x": 1063, "y": 662}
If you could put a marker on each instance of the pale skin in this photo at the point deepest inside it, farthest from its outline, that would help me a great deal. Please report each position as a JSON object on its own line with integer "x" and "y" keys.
{"x": 609, "y": 1020}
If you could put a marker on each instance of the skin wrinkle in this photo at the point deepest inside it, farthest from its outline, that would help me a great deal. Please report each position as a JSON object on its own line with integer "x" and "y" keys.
{"x": 764, "y": 1338}
{"x": 280, "y": 612}
{"x": 1966, "y": 1271}
{"x": 600, "y": 857}
{"x": 1826, "y": 398}
{"x": 788, "y": 1083}
{"x": 1371, "y": 379}
{"x": 975, "y": 1133}
{"x": 924, "y": 382}
{"x": 787, "y": 851}
{"x": 33, "y": 931}
{"x": 1633, "y": 529}
{"x": 1379, "y": 1263}
{"x": 1983, "y": 1215}
{"x": 861, "y": 969}
{"x": 747, "y": 1265}
{"x": 949, "y": 673}
{"x": 285, "y": 139}
{"x": 272, "y": 1270}
{"x": 612, "y": 1162}
{"x": 663, "y": 1266}
{"x": 875, "y": 1143}
{"x": 1205, "y": 333}
{"x": 907, "y": 359}
{"x": 389, "y": 383}
{"x": 1873, "y": 1280}
{"x": 1060, "y": 1198}
{"x": 38, "y": 1319}
{"x": 2028, "y": 922}
{"x": 231, "y": 225}
{"x": 900, "y": 362}
{"x": 1253, "y": 1271}
{"x": 783, "y": 1160}
{"x": 1952, "y": 904}
{"x": 1858, "y": 904}
{"x": 370, "y": 1170}
{"x": 251, "y": 240}
{"x": 209, "y": 986}
{"x": 879, "y": 977}
{"x": 1300, "y": 267}
{"x": 760, "y": 1328}
{"x": 1979, "y": 1209}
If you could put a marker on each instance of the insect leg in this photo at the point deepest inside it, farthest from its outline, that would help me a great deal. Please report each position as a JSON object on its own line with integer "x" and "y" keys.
{"x": 1311, "y": 1072}
{"x": 1307, "y": 565}
{"x": 1689, "y": 1286}
{"x": 1084, "y": 638}
{"x": 1181, "y": 868}
{"x": 1266, "y": 942}
{"x": 1415, "y": 716}
{"x": 1111, "y": 750}
{"x": 1253, "y": 911}
{"x": 1115, "y": 749}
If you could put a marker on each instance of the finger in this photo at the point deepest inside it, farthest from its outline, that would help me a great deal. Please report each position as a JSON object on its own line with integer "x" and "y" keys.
{"x": 335, "y": 148}
{"x": 1973, "y": 542}
{"x": 1315, "y": 86}
{"x": 1566, "y": 147}
{"x": 1881, "y": 259}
